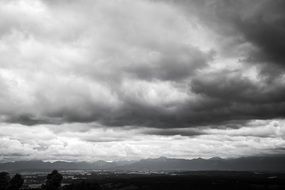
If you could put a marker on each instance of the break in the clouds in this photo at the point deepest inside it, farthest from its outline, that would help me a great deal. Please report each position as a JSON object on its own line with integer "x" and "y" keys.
{"x": 185, "y": 72}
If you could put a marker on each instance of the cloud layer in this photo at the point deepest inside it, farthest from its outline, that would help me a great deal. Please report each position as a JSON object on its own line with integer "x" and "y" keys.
{"x": 167, "y": 67}
{"x": 77, "y": 141}
{"x": 139, "y": 63}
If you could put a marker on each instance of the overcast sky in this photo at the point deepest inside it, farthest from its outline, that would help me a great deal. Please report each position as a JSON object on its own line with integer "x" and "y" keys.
{"x": 83, "y": 80}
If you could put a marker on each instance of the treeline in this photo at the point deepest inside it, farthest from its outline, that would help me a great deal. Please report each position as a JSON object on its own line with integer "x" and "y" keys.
{"x": 6, "y": 183}
{"x": 53, "y": 182}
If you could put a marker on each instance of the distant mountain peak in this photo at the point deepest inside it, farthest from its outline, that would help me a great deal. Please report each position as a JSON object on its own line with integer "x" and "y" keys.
{"x": 163, "y": 158}
{"x": 254, "y": 163}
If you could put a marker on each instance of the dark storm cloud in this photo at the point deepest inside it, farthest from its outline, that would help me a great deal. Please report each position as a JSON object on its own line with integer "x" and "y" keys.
{"x": 227, "y": 94}
{"x": 266, "y": 29}
{"x": 258, "y": 22}
{"x": 157, "y": 64}
{"x": 175, "y": 63}
{"x": 26, "y": 120}
{"x": 231, "y": 86}
{"x": 239, "y": 98}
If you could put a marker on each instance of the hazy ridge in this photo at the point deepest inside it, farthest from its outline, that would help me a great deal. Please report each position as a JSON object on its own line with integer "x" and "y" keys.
{"x": 262, "y": 163}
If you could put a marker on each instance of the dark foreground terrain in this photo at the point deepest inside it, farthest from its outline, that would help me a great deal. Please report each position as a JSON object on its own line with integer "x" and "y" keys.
{"x": 187, "y": 180}
{"x": 131, "y": 180}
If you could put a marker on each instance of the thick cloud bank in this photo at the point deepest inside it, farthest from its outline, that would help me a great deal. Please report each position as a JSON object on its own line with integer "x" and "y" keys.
{"x": 77, "y": 142}
{"x": 168, "y": 67}
{"x": 145, "y": 63}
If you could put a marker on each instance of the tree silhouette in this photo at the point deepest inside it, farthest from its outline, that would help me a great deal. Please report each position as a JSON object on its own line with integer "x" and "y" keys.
{"x": 4, "y": 180}
{"x": 16, "y": 182}
{"x": 53, "y": 181}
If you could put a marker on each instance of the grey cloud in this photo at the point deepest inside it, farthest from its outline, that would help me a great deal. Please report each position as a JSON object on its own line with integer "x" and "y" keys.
{"x": 256, "y": 129}
{"x": 239, "y": 98}
{"x": 174, "y": 63}
{"x": 265, "y": 28}
{"x": 27, "y": 120}
{"x": 136, "y": 79}
{"x": 41, "y": 148}
{"x": 258, "y": 22}
{"x": 29, "y": 144}
{"x": 14, "y": 155}
{"x": 171, "y": 132}
{"x": 142, "y": 66}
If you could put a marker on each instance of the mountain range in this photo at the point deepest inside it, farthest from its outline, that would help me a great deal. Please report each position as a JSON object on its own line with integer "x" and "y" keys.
{"x": 259, "y": 163}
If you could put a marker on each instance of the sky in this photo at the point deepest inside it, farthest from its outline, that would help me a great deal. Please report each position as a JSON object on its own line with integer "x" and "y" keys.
{"x": 87, "y": 80}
